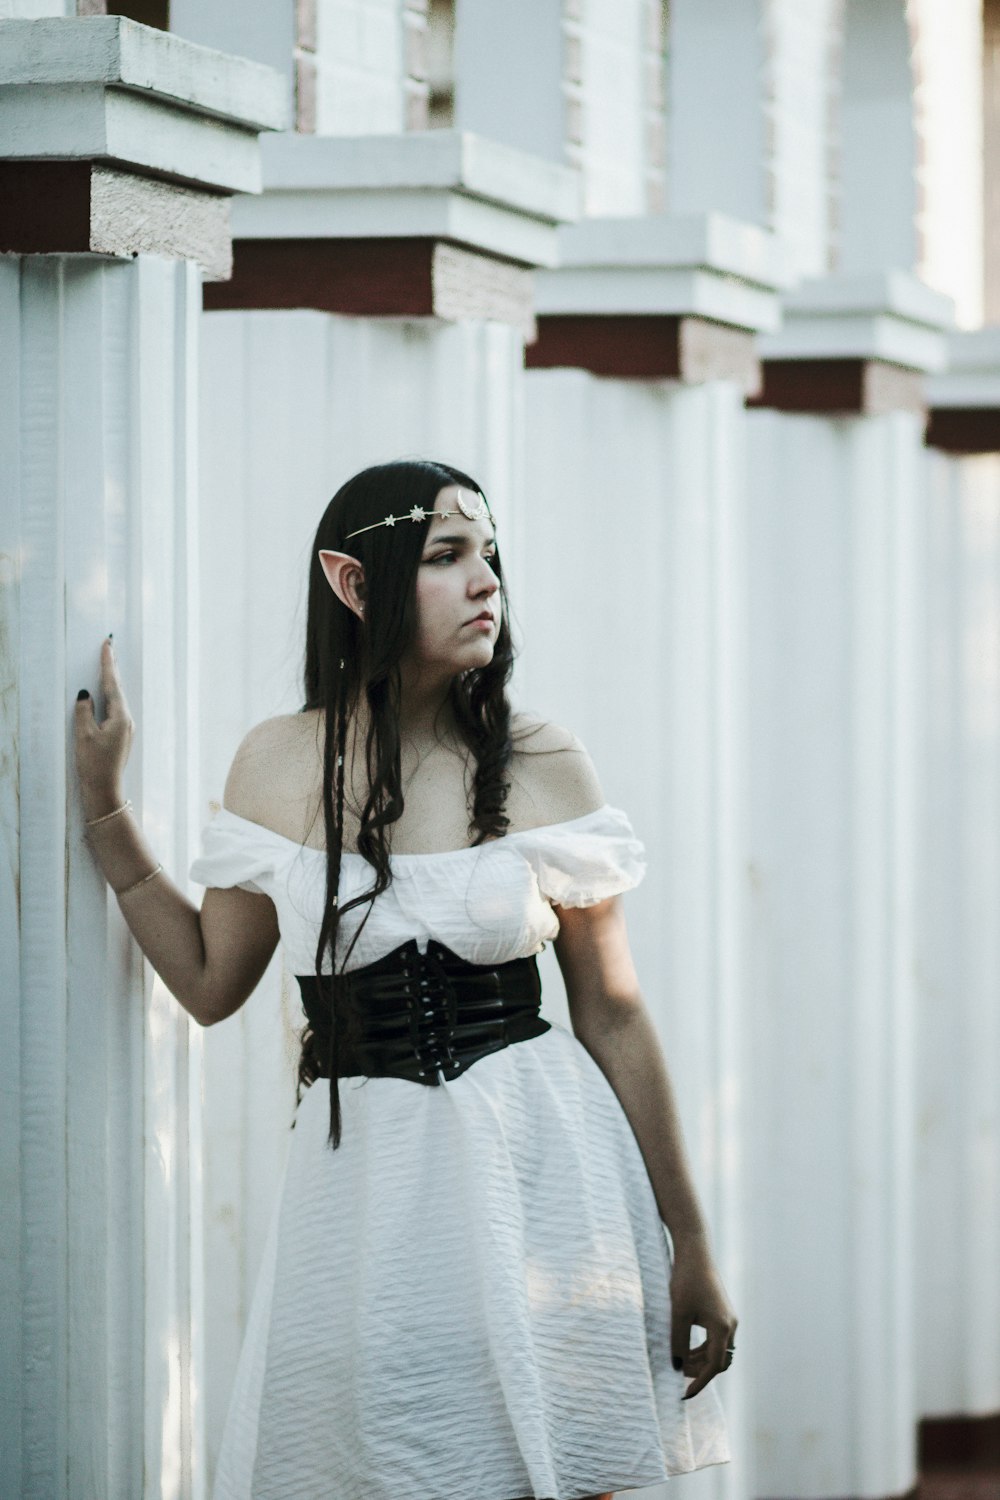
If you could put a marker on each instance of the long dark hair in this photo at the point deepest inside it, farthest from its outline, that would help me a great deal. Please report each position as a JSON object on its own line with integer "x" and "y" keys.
{"x": 346, "y": 657}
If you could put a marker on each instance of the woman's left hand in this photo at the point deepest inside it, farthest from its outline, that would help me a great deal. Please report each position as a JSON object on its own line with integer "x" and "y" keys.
{"x": 698, "y": 1296}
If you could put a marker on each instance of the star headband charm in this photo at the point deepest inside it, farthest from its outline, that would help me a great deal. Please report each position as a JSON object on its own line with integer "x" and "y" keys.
{"x": 477, "y": 512}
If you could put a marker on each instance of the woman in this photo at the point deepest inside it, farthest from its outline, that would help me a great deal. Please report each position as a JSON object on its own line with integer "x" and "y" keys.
{"x": 467, "y": 1291}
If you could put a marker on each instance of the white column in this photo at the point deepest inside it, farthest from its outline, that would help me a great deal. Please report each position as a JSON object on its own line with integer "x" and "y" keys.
{"x": 878, "y": 189}
{"x": 633, "y": 620}
{"x": 958, "y": 1111}
{"x": 507, "y": 52}
{"x": 31, "y": 10}
{"x": 102, "y": 1313}
{"x": 958, "y": 956}
{"x": 568, "y": 83}
{"x": 948, "y": 68}
{"x": 100, "y": 533}
{"x": 264, "y": 31}
{"x": 717, "y": 146}
{"x": 836, "y": 650}
{"x": 801, "y": 85}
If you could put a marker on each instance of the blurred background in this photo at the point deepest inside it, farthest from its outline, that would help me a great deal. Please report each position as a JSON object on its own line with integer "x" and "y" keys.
{"x": 706, "y": 295}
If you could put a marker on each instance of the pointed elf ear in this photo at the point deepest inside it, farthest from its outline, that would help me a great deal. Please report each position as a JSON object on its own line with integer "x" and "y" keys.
{"x": 346, "y": 577}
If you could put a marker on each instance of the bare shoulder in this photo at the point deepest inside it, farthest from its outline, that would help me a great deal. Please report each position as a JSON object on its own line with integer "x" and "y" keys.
{"x": 554, "y": 778}
{"x": 271, "y": 770}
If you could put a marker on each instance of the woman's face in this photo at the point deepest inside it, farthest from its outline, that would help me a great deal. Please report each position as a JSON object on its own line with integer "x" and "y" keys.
{"x": 455, "y": 584}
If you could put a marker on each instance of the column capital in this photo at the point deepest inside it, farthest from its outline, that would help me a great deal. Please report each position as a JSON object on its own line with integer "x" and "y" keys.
{"x": 671, "y": 295}
{"x": 441, "y": 223}
{"x": 117, "y": 138}
{"x": 861, "y": 342}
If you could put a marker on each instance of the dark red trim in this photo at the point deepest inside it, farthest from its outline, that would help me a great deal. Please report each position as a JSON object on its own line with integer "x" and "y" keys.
{"x": 366, "y": 277}
{"x": 644, "y": 346}
{"x": 959, "y": 1442}
{"x": 964, "y": 429}
{"x": 44, "y": 207}
{"x": 821, "y": 385}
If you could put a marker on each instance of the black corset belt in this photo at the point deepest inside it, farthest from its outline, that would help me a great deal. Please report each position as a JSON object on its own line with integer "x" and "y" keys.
{"x": 424, "y": 1016}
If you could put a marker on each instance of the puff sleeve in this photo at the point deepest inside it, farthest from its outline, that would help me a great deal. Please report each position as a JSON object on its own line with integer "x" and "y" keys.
{"x": 588, "y": 859}
{"x": 234, "y": 852}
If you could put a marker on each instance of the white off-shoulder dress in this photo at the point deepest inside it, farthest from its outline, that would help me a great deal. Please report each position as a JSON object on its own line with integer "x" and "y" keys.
{"x": 469, "y": 1299}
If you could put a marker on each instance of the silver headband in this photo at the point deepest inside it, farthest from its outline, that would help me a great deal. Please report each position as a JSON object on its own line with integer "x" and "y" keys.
{"x": 479, "y": 513}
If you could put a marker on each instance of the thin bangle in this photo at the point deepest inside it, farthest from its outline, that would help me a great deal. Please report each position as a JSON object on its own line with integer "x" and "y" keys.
{"x": 139, "y": 882}
{"x": 89, "y": 822}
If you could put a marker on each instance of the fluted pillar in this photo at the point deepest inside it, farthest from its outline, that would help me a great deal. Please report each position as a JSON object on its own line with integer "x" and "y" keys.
{"x": 838, "y": 638}
{"x": 99, "y": 532}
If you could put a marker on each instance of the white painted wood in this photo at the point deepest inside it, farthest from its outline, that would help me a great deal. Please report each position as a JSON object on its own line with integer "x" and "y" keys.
{"x": 103, "y": 1317}
{"x": 634, "y": 622}
{"x": 887, "y": 315}
{"x": 801, "y": 86}
{"x": 948, "y": 59}
{"x": 836, "y": 568}
{"x": 454, "y": 159}
{"x": 31, "y": 10}
{"x": 505, "y": 53}
{"x": 887, "y": 289}
{"x": 716, "y": 137}
{"x": 360, "y": 67}
{"x": 97, "y": 511}
{"x": 115, "y": 51}
{"x": 440, "y": 183}
{"x": 348, "y": 215}
{"x": 12, "y": 1413}
{"x": 972, "y": 375}
{"x": 878, "y": 200}
{"x": 83, "y": 121}
{"x": 523, "y": 52}
{"x": 612, "y": 156}
{"x": 958, "y": 950}
{"x": 706, "y": 265}
{"x": 715, "y": 241}
{"x": 105, "y": 87}
{"x": 645, "y": 289}
{"x": 264, "y": 32}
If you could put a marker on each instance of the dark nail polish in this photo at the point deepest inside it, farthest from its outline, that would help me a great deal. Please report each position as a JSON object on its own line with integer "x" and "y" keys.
{"x": 82, "y": 694}
{"x": 677, "y": 1362}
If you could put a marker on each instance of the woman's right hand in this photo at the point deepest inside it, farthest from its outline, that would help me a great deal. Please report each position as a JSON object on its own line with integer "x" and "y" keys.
{"x": 102, "y": 750}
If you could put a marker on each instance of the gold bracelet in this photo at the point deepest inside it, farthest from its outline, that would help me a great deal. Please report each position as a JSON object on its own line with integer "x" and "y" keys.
{"x": 89, "y": 822}
{"x": 139, "y": 882}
